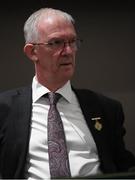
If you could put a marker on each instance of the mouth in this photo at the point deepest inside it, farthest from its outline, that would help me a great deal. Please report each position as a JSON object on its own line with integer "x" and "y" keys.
{"x": 66, "y": 64}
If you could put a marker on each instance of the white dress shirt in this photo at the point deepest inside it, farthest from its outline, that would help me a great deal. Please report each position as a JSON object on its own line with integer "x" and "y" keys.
{"x": 83, "y": 158}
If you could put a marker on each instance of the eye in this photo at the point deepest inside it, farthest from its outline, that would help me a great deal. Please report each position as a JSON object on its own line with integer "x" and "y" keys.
{"x": 57, "y": 42}
{"x": 73, "y": 40}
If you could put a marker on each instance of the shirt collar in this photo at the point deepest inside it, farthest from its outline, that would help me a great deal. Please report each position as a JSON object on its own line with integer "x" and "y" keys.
{"x": 39, "y": 90}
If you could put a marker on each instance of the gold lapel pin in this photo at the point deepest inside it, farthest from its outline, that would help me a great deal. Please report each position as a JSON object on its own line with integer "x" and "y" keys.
{"x": 98, "y": 125}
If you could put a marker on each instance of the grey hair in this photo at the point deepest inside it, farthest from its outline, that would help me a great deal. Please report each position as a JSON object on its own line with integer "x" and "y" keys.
{"x": 31, "y": 34}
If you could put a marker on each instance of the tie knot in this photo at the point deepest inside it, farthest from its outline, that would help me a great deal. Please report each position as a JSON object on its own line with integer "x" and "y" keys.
{"x": 53, "y": 97}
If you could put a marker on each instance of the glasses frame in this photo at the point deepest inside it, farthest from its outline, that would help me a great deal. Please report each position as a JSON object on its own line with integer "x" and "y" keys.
{"x": 61, "y": 43}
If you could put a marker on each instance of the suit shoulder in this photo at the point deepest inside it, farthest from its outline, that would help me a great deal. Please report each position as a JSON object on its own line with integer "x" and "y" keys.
{"x": 97, "y": 97}
{"x": 13, "y": 92}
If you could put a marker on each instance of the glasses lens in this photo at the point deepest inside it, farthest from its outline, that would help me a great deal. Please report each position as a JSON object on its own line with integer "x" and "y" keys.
{"x": 74, "y": 43}
{"x": 61, "y": 43}
{"x": 56, "y": 44}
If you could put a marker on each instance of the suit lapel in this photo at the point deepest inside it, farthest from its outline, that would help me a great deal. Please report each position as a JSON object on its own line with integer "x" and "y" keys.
{"x": 91, "y": 110}
{"x": 24, "y": 105}
{"x": 95, "y": 118}
{"x": 18, "y": 133}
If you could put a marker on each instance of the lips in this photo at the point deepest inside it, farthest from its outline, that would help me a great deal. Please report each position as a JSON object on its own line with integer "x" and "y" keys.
{"x": 66, "y": 64}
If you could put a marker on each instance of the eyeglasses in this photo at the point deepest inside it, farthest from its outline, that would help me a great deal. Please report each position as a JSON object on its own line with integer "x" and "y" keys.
{"x": 61, "y": 43}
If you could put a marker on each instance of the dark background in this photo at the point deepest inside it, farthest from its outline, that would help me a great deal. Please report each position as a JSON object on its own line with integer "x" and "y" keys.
{"x": 105, "y": 62}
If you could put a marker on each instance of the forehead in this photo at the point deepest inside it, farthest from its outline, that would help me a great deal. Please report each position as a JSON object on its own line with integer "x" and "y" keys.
{"x": 56, "y": 26}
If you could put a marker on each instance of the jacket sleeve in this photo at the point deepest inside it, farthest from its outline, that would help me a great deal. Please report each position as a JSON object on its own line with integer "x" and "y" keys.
{"x": 123, "y": 158}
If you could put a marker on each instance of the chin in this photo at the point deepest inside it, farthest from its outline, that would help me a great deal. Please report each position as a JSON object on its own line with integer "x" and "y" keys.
{"x": 67, "y": 76}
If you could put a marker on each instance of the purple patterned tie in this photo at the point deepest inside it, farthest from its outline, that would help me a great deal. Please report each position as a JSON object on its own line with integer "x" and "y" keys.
{"x": 58, "y": 157}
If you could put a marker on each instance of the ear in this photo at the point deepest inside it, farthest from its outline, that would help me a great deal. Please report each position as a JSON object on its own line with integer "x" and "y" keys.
{"x": 31, "y": 52}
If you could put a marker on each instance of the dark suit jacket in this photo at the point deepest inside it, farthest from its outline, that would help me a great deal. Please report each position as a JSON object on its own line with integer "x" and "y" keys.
{"x": 15, "y": 120}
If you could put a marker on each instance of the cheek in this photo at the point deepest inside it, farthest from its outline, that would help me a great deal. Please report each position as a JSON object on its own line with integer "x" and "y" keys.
{"x": 45, "y": 59}
{"x": 51, "y": 62}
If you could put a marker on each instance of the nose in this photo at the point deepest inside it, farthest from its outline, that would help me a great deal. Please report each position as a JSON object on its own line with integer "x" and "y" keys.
{"x": 68, "y": 49}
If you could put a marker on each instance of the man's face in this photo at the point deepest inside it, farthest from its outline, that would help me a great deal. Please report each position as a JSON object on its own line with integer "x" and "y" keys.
{"x": 56, "y": 60}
